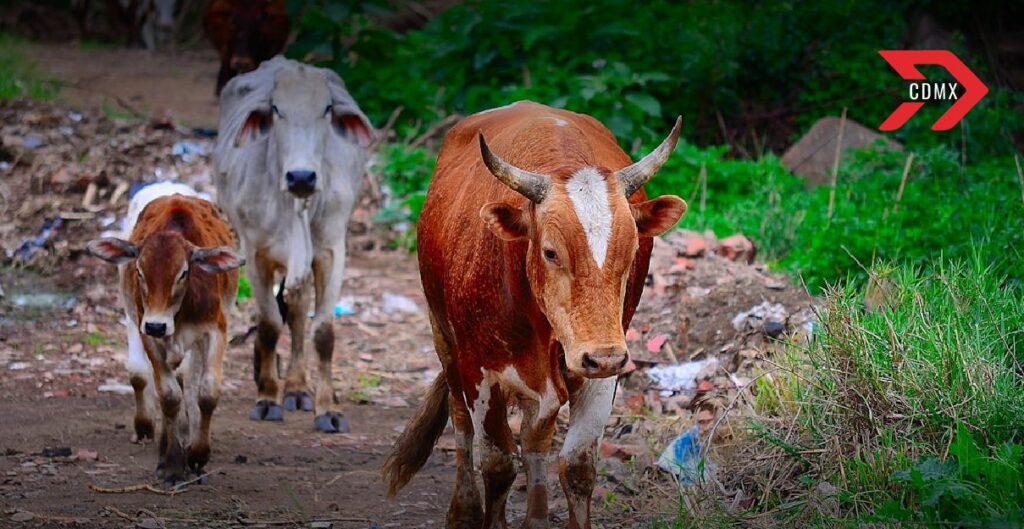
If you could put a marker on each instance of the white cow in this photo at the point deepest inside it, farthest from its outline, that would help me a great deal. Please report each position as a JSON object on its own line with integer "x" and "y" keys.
{"x": 288, "y": 164}
{"x": 140, "y": 371}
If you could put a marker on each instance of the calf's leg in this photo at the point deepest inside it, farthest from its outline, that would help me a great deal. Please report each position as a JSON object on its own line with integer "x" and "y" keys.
{"x": 171, "y": 465}
{"x": 296, "y": 387}
{"x": 205, "y": 375}
{"x": 140, "y": 374}
{"x": 496, "y": 449}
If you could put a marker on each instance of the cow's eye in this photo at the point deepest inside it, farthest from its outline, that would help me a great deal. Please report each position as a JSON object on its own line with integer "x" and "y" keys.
{"x": 328, "y": 110}
{"x": 552, "y": 257}
{"x": 183, "y": 275}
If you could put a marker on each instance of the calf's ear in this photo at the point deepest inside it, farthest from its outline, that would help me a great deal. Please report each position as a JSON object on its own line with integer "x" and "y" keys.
{"x": 113, "y": 250}
{"x": 507, "y": 222}
{"x": 659, "y": 215}
{"x": 256, "y": 125}
{"x": 217, "y": 259}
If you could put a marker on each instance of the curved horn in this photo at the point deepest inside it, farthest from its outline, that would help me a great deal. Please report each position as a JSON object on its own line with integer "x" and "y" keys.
{"x": 633, "y": 177}
{"x": 531, "y": 185}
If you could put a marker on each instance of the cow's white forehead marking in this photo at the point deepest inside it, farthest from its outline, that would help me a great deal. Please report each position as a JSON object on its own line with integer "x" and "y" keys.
{"x": 558, "y": 121}
{"x": 489, "y": 110}
{"x": 588, "y": 193}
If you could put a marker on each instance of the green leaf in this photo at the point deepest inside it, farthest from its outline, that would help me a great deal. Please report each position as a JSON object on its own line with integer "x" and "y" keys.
{"x": 646, "y": 103}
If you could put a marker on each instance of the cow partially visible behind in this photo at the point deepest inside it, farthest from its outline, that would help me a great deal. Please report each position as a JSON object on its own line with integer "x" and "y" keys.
{"x": 178, "y": 277}
{"x": 245, "y": 33}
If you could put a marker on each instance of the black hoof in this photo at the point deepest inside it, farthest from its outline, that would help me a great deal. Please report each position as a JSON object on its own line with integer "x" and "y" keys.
{"x": 143, "y": 431}
{"x": 297, "y": 400}
{"x": 332, "y": 422}
{"x": 266, "y": 410}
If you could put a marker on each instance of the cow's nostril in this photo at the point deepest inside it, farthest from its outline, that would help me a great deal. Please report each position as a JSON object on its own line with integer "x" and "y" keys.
{"x": 625, "y": 360}
{"x": 588, "y": 362}
{"x": 155, "y": 329}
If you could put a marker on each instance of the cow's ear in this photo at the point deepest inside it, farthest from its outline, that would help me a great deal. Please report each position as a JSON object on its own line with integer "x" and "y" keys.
{"x": 508, "y": 222}
{"x": 256, "y": 125}
{"x": 659, "y": 215}
{"x": 218, "y": 259}
{"x": 353, "y": 127}
{"x": 113, "y": 250}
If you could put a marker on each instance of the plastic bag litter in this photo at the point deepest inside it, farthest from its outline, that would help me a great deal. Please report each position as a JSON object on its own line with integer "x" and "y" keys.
{"x": 681, "y": 458}
{"x": 680, "y": 377}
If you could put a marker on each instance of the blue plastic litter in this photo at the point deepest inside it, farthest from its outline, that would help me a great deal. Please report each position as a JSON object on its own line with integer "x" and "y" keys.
{"x": 343, "y": 310}
{"x": 682, "y": 458}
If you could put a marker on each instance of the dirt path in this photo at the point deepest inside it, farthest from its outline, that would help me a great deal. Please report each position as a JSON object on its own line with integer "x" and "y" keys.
{"x": 62, "y": 376}
{"x": 121, "y": 81}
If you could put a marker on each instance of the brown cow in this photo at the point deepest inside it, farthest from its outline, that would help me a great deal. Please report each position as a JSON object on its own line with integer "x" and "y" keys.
{"x": 178, "y": 278}
{"x": 245, "y": 33}
{"x": 532, "y": 264}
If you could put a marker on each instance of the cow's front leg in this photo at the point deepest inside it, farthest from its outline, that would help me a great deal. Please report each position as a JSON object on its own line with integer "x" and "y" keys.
{"x": 268, "y": 329}
{"x": 140, "y": 374}
{"x": 590, "y": 404}
{"x": 171, "y": 463}
{"x": 205, "y": 376}
{"x": 296, "y": 386}
{"x": 496, "y": 449}
{"x": 328, "y": 269}
{"x": 536, "y": 439}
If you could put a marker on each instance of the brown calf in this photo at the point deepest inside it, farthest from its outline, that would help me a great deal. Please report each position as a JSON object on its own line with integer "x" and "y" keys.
{"x": 178, "y": 278}
{"x": 245, "y": 33}
{"x": 533, "y": 261}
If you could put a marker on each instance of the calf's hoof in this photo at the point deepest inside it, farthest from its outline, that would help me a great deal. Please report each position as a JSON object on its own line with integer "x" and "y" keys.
{"x": 332, "y": 422}
{"x": 297, "y": 400}
{"x": 266, "y": 410}
{"x": 144, "y": 429}
{"x": 198, "y": 456}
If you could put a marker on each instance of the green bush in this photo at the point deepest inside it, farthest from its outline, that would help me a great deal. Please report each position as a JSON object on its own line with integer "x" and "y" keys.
{"x": 18, "y": 77}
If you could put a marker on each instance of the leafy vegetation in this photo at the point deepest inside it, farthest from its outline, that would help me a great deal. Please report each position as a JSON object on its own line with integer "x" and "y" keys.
{"x": 907, "y": 412}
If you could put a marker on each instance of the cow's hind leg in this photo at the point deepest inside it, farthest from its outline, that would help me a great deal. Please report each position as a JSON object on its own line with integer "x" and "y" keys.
{"x": 496, "y": 449}
{"x": 590, "y": 404}
{"x": 296, "y": 385}
{"x": 140, "y": 374}
{"x": 268, "y": 329}
{"x": 328, "y": 269}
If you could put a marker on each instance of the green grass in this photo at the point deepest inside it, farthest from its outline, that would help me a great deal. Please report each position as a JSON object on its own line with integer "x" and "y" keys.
{"x": 911, "y": 412}
{"x": 18, "y": 77}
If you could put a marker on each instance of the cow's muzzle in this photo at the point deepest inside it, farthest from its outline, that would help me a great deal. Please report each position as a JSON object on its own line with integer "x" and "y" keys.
{"x": 301, "y": 183}
{"x": 604, "y": 362}
{"x": 156, "y": 330}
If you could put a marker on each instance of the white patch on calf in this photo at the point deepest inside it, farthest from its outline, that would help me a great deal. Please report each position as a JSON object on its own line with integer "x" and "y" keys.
{"x": 588, "y": 193}
{"x": 547, "y": 402}
{"x": 589, "y": 414}
{"x": 478, "y": 411}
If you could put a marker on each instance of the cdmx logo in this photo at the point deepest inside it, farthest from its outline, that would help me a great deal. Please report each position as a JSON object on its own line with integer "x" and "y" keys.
{"x": 905, "y": 62}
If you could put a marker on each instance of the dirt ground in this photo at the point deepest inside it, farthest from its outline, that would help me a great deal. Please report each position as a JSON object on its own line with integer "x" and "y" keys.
{"x": 66, "y": 410}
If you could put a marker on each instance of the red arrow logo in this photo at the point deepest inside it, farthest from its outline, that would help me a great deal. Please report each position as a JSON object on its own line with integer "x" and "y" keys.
{"x": 905, "y": 63}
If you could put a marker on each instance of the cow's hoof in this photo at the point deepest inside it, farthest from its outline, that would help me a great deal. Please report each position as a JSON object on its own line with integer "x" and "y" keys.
{"x": 297, "y": 400}
{"x": 332, "y": 422}
{"x": 266, "y": 410}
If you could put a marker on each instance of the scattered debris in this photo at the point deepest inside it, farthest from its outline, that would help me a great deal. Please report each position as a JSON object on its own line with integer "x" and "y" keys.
{"x": 682, "y": 458}
{"x": 116, "y": 388}
{"x": 812, "y": 156}
{"x": 680, "y": 377}
{"x": 737, "y": 248}
{"x": 398, "y": 303}
{"x": 767, "y": 317}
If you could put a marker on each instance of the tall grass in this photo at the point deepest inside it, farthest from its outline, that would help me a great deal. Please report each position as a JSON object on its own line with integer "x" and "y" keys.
{"x": 912, "y": 411}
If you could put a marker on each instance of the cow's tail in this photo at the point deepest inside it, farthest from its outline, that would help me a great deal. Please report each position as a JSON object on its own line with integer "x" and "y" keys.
{"x": 417, "y": 441}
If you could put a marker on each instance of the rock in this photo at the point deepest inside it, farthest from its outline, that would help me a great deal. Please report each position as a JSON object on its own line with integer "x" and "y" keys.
{"x": 611, "y": 450}
{"x": 632, "y": 335}
{"x": 22, "y": 516}
{"x": 635, "y": 403}
{"x": 241, "y": 459}
{"x": 696, "y": 246}
{"x": 813, "y": 155}
{"x": 737, "y": 248}
{"x": 321, "y": 525}
{"x": 654, "y": 344}
{"x": 86, "y": 455}
{"x": 705, "y": 386}
{"x": 148, "y": 523}
{"x": 774, "y": 329}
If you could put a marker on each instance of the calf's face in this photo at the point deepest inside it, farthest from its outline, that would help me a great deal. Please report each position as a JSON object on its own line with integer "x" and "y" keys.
{"x": 162, "y": 265}
{"x": 583, "y": 235}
